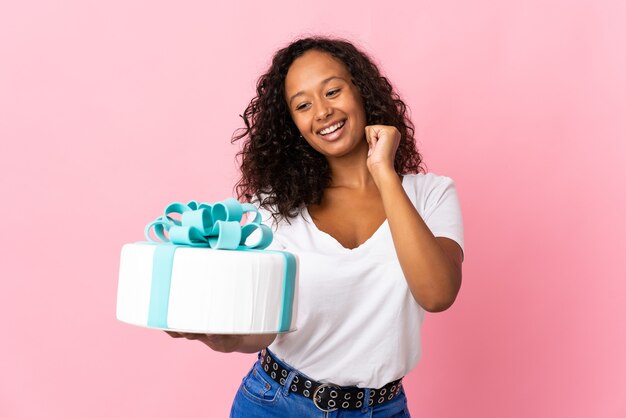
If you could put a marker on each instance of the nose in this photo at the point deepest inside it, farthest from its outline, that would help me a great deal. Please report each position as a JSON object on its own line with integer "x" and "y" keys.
{"x": 323, "y": 110}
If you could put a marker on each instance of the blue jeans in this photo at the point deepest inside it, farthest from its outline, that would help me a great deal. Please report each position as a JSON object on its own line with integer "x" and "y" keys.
{"x": 259, "y": 396}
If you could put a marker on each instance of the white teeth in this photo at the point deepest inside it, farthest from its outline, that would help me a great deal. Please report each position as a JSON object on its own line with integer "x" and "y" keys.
{"x": 332, "y": 128}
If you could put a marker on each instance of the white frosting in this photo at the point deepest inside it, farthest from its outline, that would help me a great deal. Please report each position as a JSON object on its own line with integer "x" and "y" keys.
{"x": 212, "y": 291}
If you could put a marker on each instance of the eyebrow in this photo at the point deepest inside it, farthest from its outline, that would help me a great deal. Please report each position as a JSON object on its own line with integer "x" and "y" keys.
{"x": 326, "y": 80}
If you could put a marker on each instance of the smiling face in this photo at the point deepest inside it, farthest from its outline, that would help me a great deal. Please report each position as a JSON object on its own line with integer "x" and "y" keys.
{"x": 325, "y": 105}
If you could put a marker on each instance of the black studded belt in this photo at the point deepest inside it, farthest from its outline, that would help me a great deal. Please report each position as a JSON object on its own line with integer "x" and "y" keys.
{"x": 327, "y": 396}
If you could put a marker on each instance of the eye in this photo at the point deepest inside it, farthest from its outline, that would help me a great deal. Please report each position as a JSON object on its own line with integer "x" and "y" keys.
{"x": 332, "y": 92}
{"x": 302, "y": 106}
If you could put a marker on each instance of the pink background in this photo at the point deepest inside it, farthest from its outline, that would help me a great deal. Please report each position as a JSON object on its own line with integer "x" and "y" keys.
{"x": 110, "y": 110}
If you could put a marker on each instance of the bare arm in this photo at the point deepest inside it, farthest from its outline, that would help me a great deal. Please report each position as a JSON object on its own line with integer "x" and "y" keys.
{"x": 432, "y": 266}
{"x": 229, "y": 343}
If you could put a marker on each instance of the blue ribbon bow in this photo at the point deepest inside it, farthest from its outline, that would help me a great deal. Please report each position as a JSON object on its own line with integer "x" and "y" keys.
{"x": 215, "y": 225}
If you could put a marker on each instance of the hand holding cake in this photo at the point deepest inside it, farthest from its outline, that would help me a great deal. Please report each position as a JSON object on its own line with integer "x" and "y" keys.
{"x": 227, "y": 343}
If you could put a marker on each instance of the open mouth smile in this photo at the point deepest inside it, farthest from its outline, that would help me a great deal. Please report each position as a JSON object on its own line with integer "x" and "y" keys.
{"x": 333, "y": 131}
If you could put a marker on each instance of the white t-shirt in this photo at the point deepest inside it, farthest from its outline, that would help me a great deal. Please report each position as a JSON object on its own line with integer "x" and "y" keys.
{"x": 357, "y": 322}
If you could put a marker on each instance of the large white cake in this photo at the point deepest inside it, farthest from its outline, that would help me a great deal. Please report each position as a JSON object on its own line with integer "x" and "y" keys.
{"x": 210, "y": 291}
{"x": 178, "y": 282}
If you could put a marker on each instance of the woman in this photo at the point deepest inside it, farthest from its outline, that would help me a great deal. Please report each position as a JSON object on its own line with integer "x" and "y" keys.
{"x": 329, "y": 155}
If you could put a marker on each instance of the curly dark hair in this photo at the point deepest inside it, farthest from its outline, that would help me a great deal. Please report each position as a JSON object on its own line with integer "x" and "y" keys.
{"x": 279, "y": 168}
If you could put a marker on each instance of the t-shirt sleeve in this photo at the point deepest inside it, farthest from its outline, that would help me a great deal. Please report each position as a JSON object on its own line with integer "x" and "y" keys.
{"x": 443, "y": 212}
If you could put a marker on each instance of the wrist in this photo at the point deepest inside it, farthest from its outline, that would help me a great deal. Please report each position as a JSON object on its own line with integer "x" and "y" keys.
{"x": 385, "y": 177}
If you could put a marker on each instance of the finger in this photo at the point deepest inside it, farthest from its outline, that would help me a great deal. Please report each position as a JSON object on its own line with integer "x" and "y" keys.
{"x": 193, "y": 335}
{"x": 372, "y": 145}
{"x": 372, "y": 132}
{"x": 174, "y": 334}
{"x": 218, "y": 338}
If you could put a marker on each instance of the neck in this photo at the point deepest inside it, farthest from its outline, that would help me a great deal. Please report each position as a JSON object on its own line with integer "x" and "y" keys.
{"x": 351, "y": 170}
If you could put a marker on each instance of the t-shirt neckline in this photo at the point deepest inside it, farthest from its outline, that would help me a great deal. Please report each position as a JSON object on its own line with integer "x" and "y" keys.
{"x": 336, "y": 243}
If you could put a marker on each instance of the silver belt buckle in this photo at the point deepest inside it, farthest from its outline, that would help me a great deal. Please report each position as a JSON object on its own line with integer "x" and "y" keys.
{"x": 324, "y": 385}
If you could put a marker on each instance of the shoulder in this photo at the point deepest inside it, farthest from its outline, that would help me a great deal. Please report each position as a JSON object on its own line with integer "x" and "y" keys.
{"x": 270, "y": 217}
{"x": 422, "y": 187}
{"x": 270, "y": 214}
{"x": 429, "y": 180}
